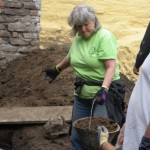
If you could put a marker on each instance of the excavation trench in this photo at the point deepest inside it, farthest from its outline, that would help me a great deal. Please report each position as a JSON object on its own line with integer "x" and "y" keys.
{"x": 23, "y": 84}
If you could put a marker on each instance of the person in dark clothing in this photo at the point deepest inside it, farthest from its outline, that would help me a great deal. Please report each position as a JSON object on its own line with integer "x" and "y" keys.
{"x": 144, "y": 51}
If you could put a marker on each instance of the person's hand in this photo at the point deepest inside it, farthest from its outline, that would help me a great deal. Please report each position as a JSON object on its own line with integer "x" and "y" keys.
{"x": 102, "y": 96}
{"x": 136, "y": 70}
{"x": 102, "y": 135}
{"x": 147, "y": 132}
{"x": 120, "y": 137}
{"x": 52, "y": 73}
{"x": 145, "y": 141}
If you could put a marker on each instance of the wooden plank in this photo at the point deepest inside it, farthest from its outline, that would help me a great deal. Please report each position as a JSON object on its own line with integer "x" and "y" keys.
{"x": 33, "y": 115}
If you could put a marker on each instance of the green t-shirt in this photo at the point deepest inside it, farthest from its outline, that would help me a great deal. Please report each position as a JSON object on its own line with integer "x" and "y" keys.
{"x": 86, "y": 57}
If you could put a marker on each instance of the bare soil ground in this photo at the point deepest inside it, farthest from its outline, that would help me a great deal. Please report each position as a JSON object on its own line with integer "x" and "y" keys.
{"x": 23, "y": 84}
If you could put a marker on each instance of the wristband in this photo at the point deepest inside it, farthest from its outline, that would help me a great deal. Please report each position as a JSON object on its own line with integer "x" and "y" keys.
{"x": 105, "y": 87}
{"x": 58, "y": 69}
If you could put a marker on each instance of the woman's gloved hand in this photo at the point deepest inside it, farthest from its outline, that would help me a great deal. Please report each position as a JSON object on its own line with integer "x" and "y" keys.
{"x": 102, "y": 95}
{"x": 103, "y": 135}
{"x": 52, "y": 73}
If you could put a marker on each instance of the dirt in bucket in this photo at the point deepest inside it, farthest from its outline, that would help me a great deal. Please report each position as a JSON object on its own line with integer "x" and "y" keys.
{"x": 95, "y": 122}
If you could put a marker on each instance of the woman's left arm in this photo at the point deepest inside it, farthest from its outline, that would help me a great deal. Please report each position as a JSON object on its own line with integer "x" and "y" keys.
{"x": 110, "y": 70}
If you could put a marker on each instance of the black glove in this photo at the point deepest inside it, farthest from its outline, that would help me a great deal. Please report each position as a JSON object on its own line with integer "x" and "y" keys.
{"x": 102, "y": 96}
{"x": 52, "y": 73}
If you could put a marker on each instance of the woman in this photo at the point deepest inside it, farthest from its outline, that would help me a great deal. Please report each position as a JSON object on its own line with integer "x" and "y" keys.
{"x": 93, "y": 57}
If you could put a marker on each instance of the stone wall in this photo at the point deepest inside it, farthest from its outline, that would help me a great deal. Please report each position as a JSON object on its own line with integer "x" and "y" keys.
{"x": 19, "y": 28}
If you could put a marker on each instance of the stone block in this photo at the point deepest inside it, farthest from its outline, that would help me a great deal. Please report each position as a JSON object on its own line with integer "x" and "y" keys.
{"x": 18, "y": 41}
{"x": 31, "y": 5}
{"x": 1, "y": 10}
{"x": 1, "y": 41}
{"x": 8, "y": 48}
{"x": 31, "y": 20}
{"x": 34, "y": 43}
{"x": 2, "y": 27}
{"x": 30, "y": 35}
{"x": 5, "y": 40}
{"x": 1, "y": 3}
{"x": 15, "y": 34}
{"x": 4, "y": 33}
{"x": 13, "y": 4}
{"x": 55, "y": 126}
{"x": 2, "y": 55}
{"x": 3, "y": 64}
{"x": 35, "y": 13}
{"x": 20, "y": 27}
{"x": 22, "y": 12}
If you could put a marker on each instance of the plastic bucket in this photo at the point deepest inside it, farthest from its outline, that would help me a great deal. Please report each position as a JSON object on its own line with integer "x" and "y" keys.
{"x": 89, "y": 139}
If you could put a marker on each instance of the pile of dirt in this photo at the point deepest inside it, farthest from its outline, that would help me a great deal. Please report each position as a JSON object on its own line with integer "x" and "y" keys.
{"x": 23, "y": 84}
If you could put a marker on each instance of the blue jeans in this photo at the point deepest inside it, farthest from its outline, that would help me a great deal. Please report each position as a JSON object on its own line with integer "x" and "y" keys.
{"x": 81, "y": 109}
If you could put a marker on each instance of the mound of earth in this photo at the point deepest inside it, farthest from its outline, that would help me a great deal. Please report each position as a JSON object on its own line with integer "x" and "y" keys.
{"x": 23, "y": 84}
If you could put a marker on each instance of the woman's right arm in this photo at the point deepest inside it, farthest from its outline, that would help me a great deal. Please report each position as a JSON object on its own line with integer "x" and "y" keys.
{"x": 65, "y": 63}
